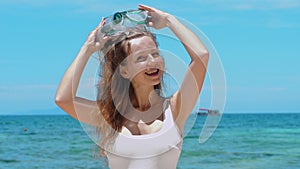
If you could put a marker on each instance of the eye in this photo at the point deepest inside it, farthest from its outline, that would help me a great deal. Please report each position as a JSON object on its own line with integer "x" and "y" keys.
{"x": 141, "y": 58}
{"x": 155, "y": 54}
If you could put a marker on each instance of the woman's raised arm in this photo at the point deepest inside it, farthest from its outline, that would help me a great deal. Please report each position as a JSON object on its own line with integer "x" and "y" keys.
{"x": 79, "y": 108}
{"x": 184, "y": 100}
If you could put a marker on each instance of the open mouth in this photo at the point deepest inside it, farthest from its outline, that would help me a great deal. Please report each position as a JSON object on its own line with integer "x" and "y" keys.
{"x": 153, "y": 72}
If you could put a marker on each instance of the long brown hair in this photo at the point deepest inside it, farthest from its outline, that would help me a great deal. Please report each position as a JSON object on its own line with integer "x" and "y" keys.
{"x": 114, "y": 91}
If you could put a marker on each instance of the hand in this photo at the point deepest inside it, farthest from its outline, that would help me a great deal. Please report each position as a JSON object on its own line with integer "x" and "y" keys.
{"x": 92, "y": 43}
{"x": 157, "y": 19}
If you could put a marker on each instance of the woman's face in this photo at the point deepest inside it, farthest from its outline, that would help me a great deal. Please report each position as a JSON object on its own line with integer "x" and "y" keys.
{"x": 144, "y": 66}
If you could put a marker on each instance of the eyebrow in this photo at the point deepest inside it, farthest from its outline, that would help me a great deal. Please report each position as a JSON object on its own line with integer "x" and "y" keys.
{"x": 145, "y": 52}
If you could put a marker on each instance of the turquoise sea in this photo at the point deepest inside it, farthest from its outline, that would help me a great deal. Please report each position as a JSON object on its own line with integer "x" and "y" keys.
{"x": 241, "y": 141}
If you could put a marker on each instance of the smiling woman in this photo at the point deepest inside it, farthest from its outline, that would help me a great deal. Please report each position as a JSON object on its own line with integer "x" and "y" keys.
{"x": 137, "y": 126}
{"x": 143, "y": 60}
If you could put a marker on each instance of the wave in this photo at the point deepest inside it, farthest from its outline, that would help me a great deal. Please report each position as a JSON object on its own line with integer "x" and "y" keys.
{"x": 8, "y": 161}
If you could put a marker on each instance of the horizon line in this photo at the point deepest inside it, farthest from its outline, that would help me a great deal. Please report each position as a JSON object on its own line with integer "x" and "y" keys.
{"x": 66, "y": 114}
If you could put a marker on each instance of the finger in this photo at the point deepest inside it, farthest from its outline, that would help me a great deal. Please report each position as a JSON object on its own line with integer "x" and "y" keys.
{"x": 93, "y": 32}
{"x": 142, "y": 7}
{"x": 93, "y": 36}
{"x": 101, "y": 23}
{"x": 147, "y": 8}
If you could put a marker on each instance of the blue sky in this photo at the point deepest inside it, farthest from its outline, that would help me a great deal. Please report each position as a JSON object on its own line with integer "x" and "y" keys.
{"x": 257, "y": 41}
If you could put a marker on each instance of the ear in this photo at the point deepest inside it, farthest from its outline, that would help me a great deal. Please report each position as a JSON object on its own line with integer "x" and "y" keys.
{"x": 123, "y": 71}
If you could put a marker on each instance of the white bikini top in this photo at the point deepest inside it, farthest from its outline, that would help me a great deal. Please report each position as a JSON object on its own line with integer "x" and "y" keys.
{"x": 159, "y": 150}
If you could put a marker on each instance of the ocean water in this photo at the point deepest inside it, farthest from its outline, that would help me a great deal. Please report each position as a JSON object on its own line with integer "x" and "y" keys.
{"x": 241, "y": 141}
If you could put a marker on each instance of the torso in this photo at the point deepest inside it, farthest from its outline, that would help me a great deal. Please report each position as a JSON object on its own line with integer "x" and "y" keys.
{"x": 130, "y": 127}
{"x": 160, "y": 149}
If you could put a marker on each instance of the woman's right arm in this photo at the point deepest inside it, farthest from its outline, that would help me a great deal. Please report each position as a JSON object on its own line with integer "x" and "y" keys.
{"x": 79, "y": 108}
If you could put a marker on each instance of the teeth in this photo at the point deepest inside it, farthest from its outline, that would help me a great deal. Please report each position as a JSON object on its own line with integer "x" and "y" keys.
{"x": 153, "y": 71}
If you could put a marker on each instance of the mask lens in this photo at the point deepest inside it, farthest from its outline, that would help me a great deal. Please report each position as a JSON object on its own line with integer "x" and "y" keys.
{"x": 137, "y": 16}
{"x": 121, "y": 20}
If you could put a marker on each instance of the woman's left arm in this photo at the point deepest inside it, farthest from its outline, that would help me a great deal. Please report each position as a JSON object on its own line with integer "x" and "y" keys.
{"x": 184, "y": 100}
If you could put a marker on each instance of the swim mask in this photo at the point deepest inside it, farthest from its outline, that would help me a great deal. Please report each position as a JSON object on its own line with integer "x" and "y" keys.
{"x": 121, "y": 21}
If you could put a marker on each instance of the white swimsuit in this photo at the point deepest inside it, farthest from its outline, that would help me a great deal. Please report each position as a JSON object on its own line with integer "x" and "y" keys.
{"x": 159, "y": 150}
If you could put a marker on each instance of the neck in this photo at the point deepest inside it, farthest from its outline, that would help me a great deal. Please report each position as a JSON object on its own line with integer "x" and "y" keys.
{"x": 145, "y": 97}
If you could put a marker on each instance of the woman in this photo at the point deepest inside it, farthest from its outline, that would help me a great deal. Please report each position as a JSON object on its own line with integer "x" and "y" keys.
{"x": 138, "y": 127}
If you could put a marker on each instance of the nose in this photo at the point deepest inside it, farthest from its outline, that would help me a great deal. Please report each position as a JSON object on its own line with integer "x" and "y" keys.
{"x": 151, "y": 57}
{"x": 152, "y": 60}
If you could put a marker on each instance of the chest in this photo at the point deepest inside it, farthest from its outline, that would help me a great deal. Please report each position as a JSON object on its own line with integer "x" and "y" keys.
{"x": 148, "y": 145}
{"x": 143, "y": 125}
